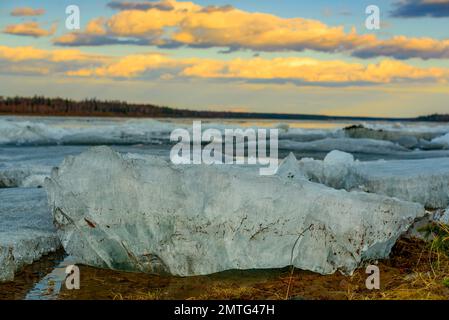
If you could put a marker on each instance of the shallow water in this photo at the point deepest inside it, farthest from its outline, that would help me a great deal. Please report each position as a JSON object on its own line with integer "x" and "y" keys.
{"x": 49, "y": 287}
{"x": 29, "y": 276}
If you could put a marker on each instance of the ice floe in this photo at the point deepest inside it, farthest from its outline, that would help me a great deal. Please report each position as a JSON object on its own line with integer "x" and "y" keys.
{"x": 444, "y": 140}
{"x": 26, "y": 177}
{"x": 369, "y": 146}
{"x": 26, "y": 229}
{"x": 425, "y": 181}
{"x": 406, "y": 138}
{"x": 145, "y": 214}
{"x": 14, "y": 131}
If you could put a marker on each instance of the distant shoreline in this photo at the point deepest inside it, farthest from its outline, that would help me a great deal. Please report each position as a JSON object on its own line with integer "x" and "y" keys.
{"x": 59, "y": 107}
{"x": 231, "y": 116}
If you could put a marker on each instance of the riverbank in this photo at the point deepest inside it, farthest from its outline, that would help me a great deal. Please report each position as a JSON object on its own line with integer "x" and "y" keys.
{"x": 414, "y": 271}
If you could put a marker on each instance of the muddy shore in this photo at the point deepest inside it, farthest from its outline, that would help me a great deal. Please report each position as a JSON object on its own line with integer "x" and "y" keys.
{"x": 414, "y": 271}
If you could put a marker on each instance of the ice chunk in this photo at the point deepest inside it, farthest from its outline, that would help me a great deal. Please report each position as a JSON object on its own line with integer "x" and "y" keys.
{"x": 97, "y": 131}
{"x": 406, "y": 138}
{"x": 408, "y": 141}
{"x": 409, "y": 127}
{"x": 344, "y": 144}
{"x": 283, "y": 126}
{"x": 145, "y": 214}
{"x": 425, "y": 181}
{"x": 26, "y": 229}
{"x": 27, "y": 177}
{"x": 24, "y": 131}
{"x": 431, "y": 145}
{"x": 337, "y": 156}
{"x": 33, "y": 181}
{"x": 305, "y": 135}
{"x": 12, "y": 178}
{"x": 289, "y": 168}
{"x": 443, "y": 216}
{"x": 444, "y": 140}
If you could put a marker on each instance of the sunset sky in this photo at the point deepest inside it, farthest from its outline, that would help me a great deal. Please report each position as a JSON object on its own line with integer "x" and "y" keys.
{"x": 286, "y": 56}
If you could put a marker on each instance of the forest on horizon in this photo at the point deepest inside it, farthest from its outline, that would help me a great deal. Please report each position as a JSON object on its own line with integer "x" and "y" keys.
{"x": 43, "y": 106}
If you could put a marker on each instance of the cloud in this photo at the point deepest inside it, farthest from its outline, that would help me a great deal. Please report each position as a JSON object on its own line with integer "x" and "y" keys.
{"x": 210, "y": 9}
{"x": 33, "y": 61}
{"x": 31, "y": 29}
{"x": 187, "y": 24}
{"x": 401, "y": 47}
{"x": 118, "y": 5}
{"x": 129, "y": 66}
{"x": 302, "y": 71}
{"x": 312, "y": 71}
{"x": 27, "y": 11}
{"x": 96, "y": 34}
{"x": 296, "y": 70}
{"x": 29, "y": 53}
{"x": 83, "y": 39}
{"x": 422, "y": 8}
{"x": 17, "y": 54}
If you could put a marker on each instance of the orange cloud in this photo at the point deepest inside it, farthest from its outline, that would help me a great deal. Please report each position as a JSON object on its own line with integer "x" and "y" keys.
{"x": 173, "y": 23}
{"x": 401, "y": 47}
{"x": 96, "y": 27}
{"x": 27, "y": 11}
{"x": 19, "y": 54}
{"x": 301, "y": 70}
{"x": 128, "y": 66}
{"x": 31, "y": 29}
{"x": 313, "y": 71}
{"x": 296, "y": 70}
{"x": 195, "y": 25}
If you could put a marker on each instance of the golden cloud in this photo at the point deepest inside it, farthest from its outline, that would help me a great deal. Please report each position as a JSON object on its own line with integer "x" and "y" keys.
{"x": 297, "y": 70}
{"x": 227, "y": 26}
{"x": 19, "y": 54}
{"x": 171, "y": 23}
{"x": 401, "y": 47}
{"x": 128, "y": 66}
{"x": 302, "y": 70}
{"x": 32, "y": 29}
{"x": 27, "y": 11}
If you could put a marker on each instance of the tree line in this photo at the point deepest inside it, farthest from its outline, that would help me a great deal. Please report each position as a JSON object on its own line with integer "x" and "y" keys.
{"x": 39, "y": 105}
{"x": 43, "y": 106}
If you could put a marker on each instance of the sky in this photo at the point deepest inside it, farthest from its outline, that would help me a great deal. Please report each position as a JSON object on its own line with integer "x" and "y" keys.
{"x": 284, "y": 56}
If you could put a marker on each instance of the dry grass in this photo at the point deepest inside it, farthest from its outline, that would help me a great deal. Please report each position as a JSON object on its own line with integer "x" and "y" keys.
{"x": 227, "y": 293}
{"x": 416, "y": 270}
{"x": 428, "y": 274}
{"x": 149, "y": 295}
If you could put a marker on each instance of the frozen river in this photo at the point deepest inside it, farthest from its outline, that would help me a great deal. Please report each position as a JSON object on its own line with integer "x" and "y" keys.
{"x": 31, "y": 146}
